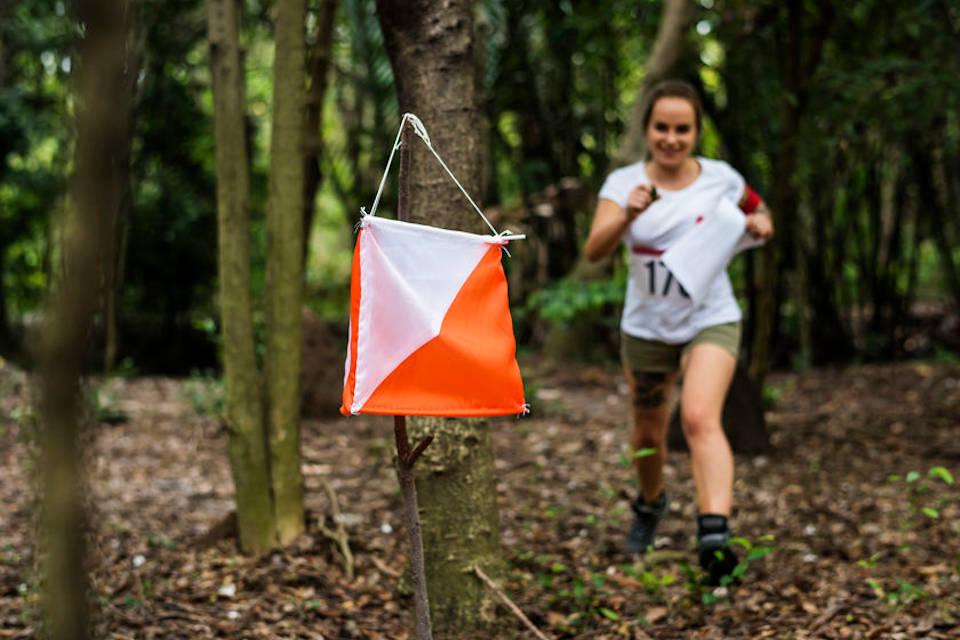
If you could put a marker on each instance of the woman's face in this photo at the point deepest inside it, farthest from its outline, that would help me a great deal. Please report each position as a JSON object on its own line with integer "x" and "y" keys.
{"x": 671, "y": 132}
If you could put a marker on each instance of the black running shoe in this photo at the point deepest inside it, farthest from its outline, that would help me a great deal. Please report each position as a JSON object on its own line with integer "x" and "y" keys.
{"x": 717, "y": 557}
{"x": 645, "y": 521}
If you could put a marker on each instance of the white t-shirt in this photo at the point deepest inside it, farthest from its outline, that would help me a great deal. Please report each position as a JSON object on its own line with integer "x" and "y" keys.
{"x": 656, "y": 307}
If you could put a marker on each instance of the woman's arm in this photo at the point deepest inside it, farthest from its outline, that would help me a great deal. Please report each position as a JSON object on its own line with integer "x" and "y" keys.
{"x": 610, "y": 221}
{"x": 759, "y": 220}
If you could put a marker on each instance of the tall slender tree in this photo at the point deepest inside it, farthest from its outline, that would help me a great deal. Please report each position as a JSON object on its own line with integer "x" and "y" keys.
{"x": 118, "y": 220}
{"x": 264, "y": 419}
{"x": 244, "y": 401}
{"x": 431, "y": 48}
{"x": 95, "y": 188}
{"x": 285, "y": 269}
{"x": 320, "y": 56}
{"x": 805, "y": 53}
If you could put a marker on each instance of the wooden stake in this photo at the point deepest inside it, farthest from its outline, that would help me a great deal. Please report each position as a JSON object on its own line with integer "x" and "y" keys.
{"x": 406, "y": 457}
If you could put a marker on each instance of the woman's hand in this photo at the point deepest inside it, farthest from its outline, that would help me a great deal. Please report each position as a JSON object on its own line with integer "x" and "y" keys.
{"x": 638, "y": 200}
{"x": 759, "y": 225}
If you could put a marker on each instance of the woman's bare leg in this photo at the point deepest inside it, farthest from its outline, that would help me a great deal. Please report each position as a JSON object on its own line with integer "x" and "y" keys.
{"x": 650, "y": 394}
{"x": 707, "y": 372}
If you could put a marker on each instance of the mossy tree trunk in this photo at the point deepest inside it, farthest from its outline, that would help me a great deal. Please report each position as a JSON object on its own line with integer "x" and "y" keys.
{"x": 431, "y": 49}
{"x": 244, "y": 400}
{"x": 69, "y": 319}
{"x": 285, "y": 269}
{"x": 456, "y": 488}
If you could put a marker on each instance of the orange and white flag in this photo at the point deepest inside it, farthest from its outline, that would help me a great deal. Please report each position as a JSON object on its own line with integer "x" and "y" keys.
{"x": 430, "y": 327}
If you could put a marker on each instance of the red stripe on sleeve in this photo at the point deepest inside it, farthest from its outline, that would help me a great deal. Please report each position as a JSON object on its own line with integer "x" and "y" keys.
{"x": 750, "y": 200}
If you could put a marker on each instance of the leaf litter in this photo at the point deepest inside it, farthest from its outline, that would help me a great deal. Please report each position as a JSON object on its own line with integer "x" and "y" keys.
{"x": 851, "y": 522}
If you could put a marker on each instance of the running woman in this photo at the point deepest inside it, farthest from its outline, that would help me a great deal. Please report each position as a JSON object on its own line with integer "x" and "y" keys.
{"x": 648, "y": 206}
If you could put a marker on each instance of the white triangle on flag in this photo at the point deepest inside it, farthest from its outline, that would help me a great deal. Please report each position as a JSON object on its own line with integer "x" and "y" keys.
{"x": 410, "y": 274}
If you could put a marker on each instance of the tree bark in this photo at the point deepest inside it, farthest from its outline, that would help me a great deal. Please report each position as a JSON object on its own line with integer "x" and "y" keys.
{"x": 320, "y": 56}
{"x": 667, "y": 49}
{"x": 285, "y": 270}
{"x": 244, "y": 399}
{"x": 431, "y": 48}
{"x": 70, "y": 318}
{"x": 119, "y": 223}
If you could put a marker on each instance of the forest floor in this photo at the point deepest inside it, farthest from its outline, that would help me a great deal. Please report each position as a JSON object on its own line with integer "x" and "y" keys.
{"x": 854, "y": 527}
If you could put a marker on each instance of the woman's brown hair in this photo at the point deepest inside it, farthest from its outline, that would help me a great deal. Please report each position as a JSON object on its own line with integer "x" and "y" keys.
{"x": 674, "y": 89}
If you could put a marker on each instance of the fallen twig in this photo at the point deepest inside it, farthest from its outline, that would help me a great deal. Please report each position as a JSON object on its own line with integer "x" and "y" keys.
{"x": 384, "y": 568}
{"x": 510, "y": 605}
{"x": 826, "y": 616}
{"x": 339, "y": 537}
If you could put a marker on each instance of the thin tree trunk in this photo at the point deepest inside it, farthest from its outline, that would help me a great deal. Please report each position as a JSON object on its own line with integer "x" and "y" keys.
{"x": 320, "y": 57}
{"x": 667, "y": 48}
{"x": 244, "y": 400}
{"x": 8, "y": 345}
{"x": 285, "y": 270}
{"x": 70, "y": 319}
{"x": 802, "y": 61}
{"x": 431, "y": 51}
{"x": 936, "y": 193}
{"x": 820, "y": 248}
{"x": 120, "y": 215}
{"x": 7, "y": 342}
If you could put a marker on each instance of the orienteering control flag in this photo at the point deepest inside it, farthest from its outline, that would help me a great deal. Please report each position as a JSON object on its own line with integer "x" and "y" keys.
{"x": 430, "y": 327}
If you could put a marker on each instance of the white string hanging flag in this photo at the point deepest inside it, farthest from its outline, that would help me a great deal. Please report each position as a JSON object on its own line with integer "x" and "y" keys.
{"x": 430, "y": 326}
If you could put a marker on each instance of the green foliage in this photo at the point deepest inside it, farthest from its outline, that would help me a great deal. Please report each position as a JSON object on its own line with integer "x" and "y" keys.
{"x": 903, "y": 594}
{"x": 560, "y": 84}
{"x": 750, "y": 551}
{"x": 941, "y": 473}
{"x": 34, "y": 148}
{"x": 877, "y": 104}
{"x": 924, "y": 496}
{"x": 653, "y": 582}
{"x": 771, "y": 396}
{"x": 584, "y": 597}
{"x": 569, "y": 300}
{"x": 628, "y": 456}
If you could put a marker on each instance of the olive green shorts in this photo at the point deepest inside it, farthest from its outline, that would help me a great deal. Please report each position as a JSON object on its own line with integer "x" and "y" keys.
{"x": 652, "y": 356}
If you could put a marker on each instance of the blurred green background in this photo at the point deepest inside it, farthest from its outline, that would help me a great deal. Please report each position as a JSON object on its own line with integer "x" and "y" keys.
{"x": 846, "y": 116}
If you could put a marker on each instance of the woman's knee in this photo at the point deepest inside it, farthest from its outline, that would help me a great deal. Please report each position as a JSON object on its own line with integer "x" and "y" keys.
{"x": 647, "y": 437}
{"x": 698, "y": 423}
